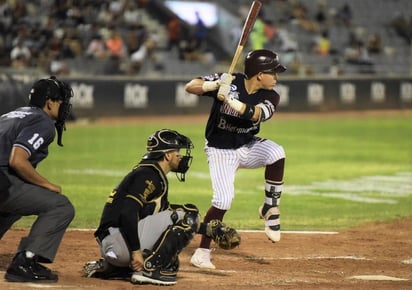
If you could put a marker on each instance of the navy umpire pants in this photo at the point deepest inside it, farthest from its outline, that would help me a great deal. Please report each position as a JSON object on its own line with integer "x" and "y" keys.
{"x": 54, "y": 213}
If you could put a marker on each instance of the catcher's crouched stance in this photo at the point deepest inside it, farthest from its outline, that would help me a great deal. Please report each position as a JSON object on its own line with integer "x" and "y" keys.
{"x": 141, "y": 234}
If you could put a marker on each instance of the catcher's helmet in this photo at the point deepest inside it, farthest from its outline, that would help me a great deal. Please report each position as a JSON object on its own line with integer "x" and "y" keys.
{"x": 56, "y": 90}
{"x": 262, "y": 60}
{"x": 166, "y": 140}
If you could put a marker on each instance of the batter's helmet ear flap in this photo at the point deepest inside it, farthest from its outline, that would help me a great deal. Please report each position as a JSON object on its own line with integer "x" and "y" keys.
{"x": 262, "y": 60}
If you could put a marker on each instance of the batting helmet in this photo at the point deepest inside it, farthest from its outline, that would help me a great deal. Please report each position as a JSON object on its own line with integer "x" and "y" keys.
{"x": 262, "y": 60}
{"x": 166, "y": 140}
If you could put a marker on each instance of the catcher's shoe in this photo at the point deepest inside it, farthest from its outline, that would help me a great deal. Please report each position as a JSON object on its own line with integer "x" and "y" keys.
{"x": 201, "y": 259}
{"x": 156, "y": 277}
{"x": 91, "y": 268}
{"x": 272, "y": 223}
{"x": 23, "y": 269}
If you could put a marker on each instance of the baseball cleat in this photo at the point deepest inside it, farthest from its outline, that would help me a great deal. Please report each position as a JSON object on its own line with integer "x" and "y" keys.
{"x": 23, "y": 269}
{"x": 201, "y": 259}
{"x": 272, "y": 223}
{"x": 156, "y": 277}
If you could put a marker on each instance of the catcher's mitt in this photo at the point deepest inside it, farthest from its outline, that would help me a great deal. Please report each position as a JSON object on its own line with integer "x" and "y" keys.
{"x": 225, "y": 237}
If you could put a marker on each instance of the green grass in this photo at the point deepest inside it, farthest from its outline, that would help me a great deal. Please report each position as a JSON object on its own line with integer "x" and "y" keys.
{"x": 341, "y": 148}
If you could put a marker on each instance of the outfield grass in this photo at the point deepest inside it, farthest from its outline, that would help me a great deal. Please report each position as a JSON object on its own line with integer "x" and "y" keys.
{"x": 325, "y": 154}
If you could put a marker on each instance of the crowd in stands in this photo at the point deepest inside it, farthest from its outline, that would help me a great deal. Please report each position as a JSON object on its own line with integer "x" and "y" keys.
{"x": 48, "y": 34}
{"x": 359, "y": 46}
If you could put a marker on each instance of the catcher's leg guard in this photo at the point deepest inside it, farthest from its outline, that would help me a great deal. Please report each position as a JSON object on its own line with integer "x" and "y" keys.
{"x": 162, "y": 263}
{"x": 173, "y": 240}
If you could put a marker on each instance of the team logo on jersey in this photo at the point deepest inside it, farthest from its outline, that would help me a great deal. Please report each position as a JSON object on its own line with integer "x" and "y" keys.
{"x": 150, "y": 188}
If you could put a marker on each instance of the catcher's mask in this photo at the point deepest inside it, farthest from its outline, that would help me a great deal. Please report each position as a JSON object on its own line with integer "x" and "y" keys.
{"x": 56, "y": 90}
{"x": 166, "y": 140}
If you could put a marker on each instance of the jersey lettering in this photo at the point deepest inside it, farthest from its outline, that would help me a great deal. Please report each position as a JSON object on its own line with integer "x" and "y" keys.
{"x": 149, "y": 189}
{"x": 228, "y": 110}
{"x": 17, "y": 114}
{"x": 36, "y": 141}
{"x": 230, "y": 128}
{"x": 111, "y": 196}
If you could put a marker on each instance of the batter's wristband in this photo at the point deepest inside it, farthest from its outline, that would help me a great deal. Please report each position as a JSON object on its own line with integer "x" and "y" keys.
{"x": 235, "y": 104}
{"x": 249, "y": 112}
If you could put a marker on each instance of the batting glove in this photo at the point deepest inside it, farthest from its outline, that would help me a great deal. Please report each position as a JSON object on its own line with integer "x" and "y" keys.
{"x": 224, "y": 88}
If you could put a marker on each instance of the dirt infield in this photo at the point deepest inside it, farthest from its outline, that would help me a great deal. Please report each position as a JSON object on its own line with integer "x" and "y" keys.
{"x": 374, "y": 256}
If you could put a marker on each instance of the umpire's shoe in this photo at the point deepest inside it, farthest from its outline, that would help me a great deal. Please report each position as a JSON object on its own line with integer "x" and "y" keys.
{"x": 23, "y": 269}
{"x": 272, "y": 222}
{"x": 156, "y": 277}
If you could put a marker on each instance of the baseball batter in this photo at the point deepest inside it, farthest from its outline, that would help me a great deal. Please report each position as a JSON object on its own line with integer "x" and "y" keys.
{"x": 25, "y": 135}
{"x": 140, "y": 233}
{"x": 241, "y": 103}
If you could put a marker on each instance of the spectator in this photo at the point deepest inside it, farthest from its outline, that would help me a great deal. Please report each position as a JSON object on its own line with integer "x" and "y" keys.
{"x": 58, "y": 66}
{"x": 345, "y": 15}
{"x": 96, "y": 48}
{"x": 135, "y": 37}
{"x": 174, "y": 33}
{"x": 20, "y": 55}
{"x": 200, "y": 32}
{"x": 115, "y": 44}
{"x": 191, "y": 51}
{"x": 104, "y": 16}
{"x": 137, "y": 59}
{"x": 336, "y": 68}
{"x": 131, "y": 14}
{"x": 321, "y": 15}
{"x": 257, "y": 36}
{"x": 116, "y": 9}
{"x": 323, "y": 44}
{"x": 374, "y": 43}
{"x": 357, "y": 54}
{"x": 300, "y": 16}
{"x": 402, "y": 27}
{"x": 270, "y": 34}
{"x": 287, "y": 41}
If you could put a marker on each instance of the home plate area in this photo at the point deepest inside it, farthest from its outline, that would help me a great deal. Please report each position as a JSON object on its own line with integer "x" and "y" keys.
{"x": 372, "y": 256}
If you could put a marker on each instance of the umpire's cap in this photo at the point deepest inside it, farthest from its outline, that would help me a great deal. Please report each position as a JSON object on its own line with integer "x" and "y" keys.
{"x": 165, "y": 140}
{"x": 262, "y": 60}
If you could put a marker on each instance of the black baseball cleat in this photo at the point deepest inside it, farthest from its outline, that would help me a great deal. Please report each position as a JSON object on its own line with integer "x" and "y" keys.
{"x": 156, "y": 277}
{"x": 23, "y": 269}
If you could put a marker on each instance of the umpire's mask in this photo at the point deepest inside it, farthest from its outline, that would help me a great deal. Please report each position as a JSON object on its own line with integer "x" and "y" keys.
{"x": 53, "y": 89}
{"x": 165, "y": 140}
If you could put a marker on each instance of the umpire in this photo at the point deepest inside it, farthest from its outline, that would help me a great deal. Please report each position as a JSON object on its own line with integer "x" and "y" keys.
{"x": 25, "y": 135}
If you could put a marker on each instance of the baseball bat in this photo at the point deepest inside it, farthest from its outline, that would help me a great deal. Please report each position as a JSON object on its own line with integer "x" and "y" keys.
{"x": 247, "y": 28}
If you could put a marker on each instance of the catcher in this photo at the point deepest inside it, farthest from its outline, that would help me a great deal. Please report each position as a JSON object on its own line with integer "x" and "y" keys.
{"x": 141, "y": 234}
